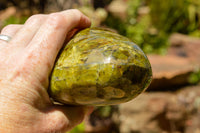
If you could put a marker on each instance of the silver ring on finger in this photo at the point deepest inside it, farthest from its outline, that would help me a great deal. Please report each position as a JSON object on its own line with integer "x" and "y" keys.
{"x": 5, "y": 38}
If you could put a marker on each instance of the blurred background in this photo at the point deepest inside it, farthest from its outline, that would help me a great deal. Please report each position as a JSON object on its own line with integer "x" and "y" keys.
{"x": 168, "y": 32}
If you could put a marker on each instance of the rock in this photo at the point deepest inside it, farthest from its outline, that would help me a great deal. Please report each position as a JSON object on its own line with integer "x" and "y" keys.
{"x": 185, "y": 46}
{"x": 10, "y": 11}
{"x": 174, "y": 69}
{"x": 189, "y": 98}
{"x": 161, "y": 112}
{"x": 118, "y": 8}
{"x": 59, "y": 5}
{"x": 93, "y": 71}
{"x": 143, "y": 10}
{"x": 96, "y": 16}
{"x": 100, "y": 120}
{"x": 169, "y": 71}
{"x": 5, "y": 14}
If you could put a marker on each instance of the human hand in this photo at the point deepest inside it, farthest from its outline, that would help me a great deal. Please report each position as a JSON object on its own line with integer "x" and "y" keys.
{"x": 26, "y": 62}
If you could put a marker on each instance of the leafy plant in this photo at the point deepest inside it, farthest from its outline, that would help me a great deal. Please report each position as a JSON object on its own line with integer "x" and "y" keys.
{"x": 151, "y": 30}
{"x": 139, "y": 28}
{"x": 15, "y": 20}
{"x": 78, "y": 129}
{"x": 104, "y": 111}
{"x": 194, "y": 78}
{"x": 181, "y": 16}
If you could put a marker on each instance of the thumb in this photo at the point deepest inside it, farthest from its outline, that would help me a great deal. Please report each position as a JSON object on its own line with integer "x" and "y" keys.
{"x": 63, "y": 118}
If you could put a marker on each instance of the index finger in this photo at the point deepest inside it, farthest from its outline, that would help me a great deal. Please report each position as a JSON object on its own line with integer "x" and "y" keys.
{"x": 50, "y": 37}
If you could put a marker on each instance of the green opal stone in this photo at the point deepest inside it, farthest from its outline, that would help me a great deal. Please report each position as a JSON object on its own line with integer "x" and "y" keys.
{"x": 99, "y": 67}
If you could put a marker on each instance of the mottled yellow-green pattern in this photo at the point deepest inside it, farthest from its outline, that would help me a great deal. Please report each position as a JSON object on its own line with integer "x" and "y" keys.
{"x": 99, "y": 67}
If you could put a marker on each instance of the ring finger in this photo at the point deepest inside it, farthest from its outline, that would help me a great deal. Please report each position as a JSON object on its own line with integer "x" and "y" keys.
{"x": 25, "y": 34}
{"x": 10, "y": 31}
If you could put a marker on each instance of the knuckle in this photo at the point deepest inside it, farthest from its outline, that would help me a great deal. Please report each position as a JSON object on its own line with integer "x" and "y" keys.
{"x": 35, "y": 18}
{"x": 60, "y": 123}
{"x": 63, "y": 124}
{"x": 76, "y": 11}
{"x": 8, "y": 27}
{"x": 56, "y": 20}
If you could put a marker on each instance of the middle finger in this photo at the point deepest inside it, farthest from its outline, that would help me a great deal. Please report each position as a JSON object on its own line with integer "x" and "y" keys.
{"x": 28, "y": 30}
{"x": 9, "y": 30}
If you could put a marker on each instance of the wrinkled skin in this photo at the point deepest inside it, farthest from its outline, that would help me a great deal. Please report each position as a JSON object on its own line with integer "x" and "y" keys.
{"x": 25, "y": 65}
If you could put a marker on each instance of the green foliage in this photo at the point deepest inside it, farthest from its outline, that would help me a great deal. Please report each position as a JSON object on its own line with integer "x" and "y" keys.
{"x": 14, "y": 20}
{"x": 139, "y": 29}
{"x": 133, "y": 6}
{"x": 78, "y": 129}
{"x": 175, "y": 15}
{"x": 146, "y": 36}
{"x": 151, "y": 31}
{"x": 104, "y": 111}
{"x": 194, "y": 77}
{"x": 100, "y": 111}
{"x": 115, "y": 23}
